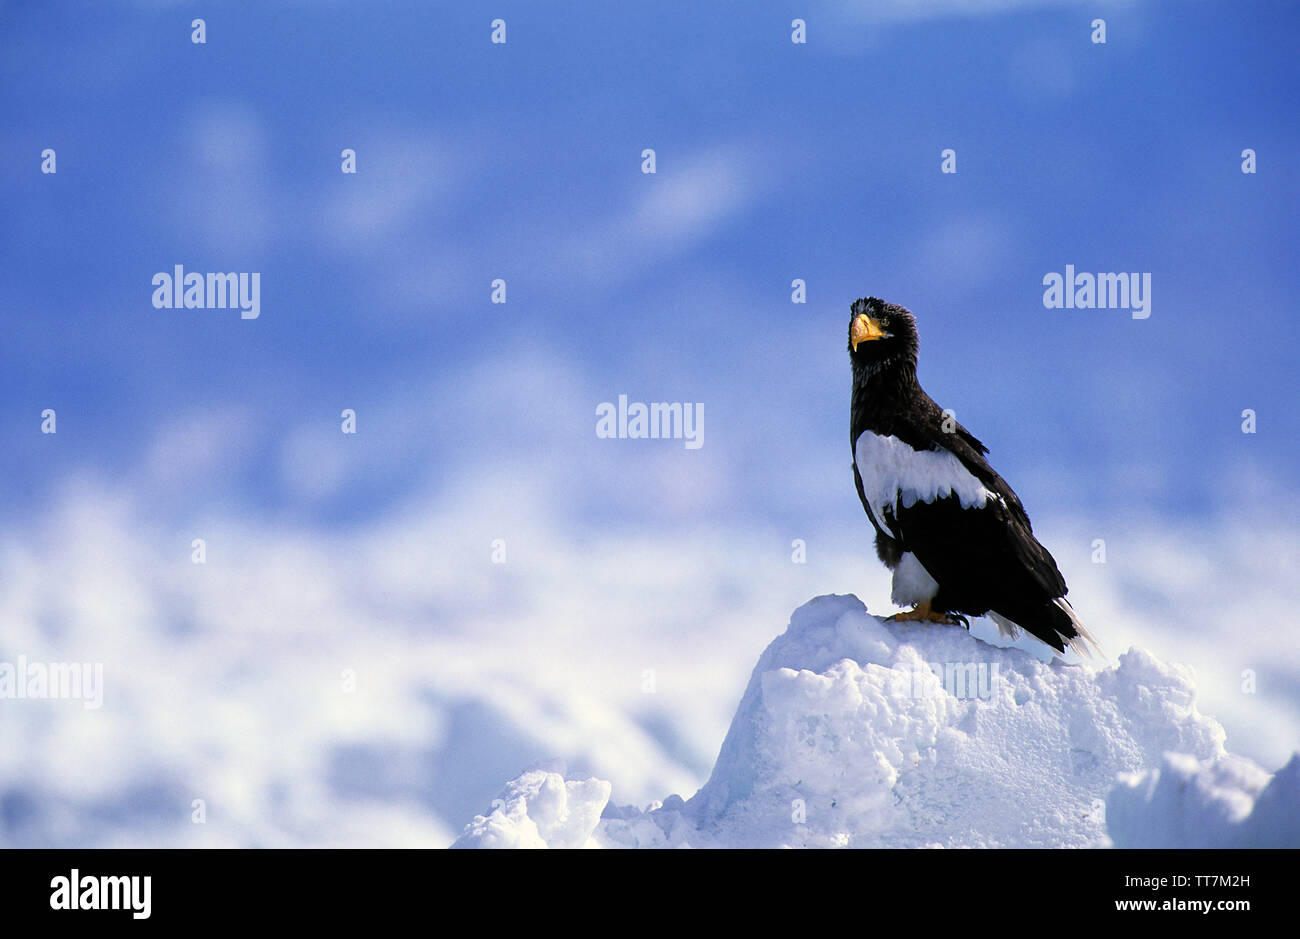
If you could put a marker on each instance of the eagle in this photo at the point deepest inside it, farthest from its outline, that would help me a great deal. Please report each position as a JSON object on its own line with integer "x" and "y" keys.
{"x": 950, "y": 528}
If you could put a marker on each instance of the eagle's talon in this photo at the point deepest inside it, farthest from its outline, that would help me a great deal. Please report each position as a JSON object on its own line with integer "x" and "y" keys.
{"x": 923, "y": 614}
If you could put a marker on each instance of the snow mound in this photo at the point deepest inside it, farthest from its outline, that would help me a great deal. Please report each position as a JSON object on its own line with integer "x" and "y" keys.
{"x": 1185, "y": 803}
{"x": 540, "y": 809}
{"x": 857, "y": 732}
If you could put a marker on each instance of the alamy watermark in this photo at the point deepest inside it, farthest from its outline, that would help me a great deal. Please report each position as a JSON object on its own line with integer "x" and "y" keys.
{"x": 961, "y": 680}
{"x": 78, "y": 891}
{"x": 1085, "y": 291}
{"x": 195, "y": 291}
{"x": 656, "y": 420}
{"x": 78, "y": 681}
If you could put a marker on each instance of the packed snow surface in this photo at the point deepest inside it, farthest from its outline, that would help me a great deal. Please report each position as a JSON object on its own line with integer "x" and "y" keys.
{"x": 858, "y": 732}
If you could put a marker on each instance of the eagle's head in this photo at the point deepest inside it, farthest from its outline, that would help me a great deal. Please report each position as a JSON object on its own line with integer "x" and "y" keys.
{"x": 881, "y": 334}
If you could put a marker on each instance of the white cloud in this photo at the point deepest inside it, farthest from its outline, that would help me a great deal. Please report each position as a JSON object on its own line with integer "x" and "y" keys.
{"x": 189, "y": 451}
{"x": 225, "y": 136}
{"x": 404, "y": 178}
{"x": 967, "y": 250}
{"x": 663, "y": 214}
{"x": 224, "y": 681}
{"x": 903, "y": 11}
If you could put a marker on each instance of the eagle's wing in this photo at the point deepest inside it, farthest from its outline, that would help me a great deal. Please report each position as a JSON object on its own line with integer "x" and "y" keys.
{"x": 938, "y": 497}
{"x": 1003, "y": 515}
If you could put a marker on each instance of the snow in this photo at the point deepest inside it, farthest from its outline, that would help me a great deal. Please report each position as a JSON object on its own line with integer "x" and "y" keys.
{"x": 366, "y": 685}
{"x": 858, "y": 732}
{"x": 540, "y": 810}
{"x": 1228, "y": 802}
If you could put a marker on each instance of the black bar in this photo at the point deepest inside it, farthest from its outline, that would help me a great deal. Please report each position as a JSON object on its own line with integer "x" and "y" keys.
{"x": 335, "y": 887}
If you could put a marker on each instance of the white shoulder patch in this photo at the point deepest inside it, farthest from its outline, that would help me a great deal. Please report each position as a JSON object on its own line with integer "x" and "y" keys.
{"x": 895, "y": 475}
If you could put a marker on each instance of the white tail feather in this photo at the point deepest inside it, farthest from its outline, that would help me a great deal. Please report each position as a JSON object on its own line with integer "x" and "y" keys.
{"x": 1085, "y": 638}
{"x": 1006, "y": 628}
{"x": 1080, "y": 643}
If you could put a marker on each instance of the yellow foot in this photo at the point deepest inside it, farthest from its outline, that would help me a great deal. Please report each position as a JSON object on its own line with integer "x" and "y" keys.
{"x": 922, "y": 614}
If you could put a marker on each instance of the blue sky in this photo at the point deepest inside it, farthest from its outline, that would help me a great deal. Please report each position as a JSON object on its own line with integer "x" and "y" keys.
{"x": 775, "y": 161}
{"x": 817, "y": 161}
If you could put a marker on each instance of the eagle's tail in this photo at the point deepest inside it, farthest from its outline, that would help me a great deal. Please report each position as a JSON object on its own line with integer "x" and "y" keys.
{"x": 1077, "y": 636}
{"x": 1063, "y": 629}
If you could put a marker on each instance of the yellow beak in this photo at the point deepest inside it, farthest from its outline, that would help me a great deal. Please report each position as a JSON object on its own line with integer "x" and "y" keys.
{"x": 864, "y": 329}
